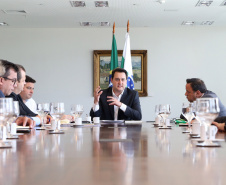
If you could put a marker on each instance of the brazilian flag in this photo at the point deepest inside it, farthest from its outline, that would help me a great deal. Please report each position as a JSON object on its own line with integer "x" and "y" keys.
{"x": 114, "y": 58}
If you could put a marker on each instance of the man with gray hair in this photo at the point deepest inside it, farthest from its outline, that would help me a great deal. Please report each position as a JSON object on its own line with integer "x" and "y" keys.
{"x": 8, "y": 77}
{"x": 8, "y": 81}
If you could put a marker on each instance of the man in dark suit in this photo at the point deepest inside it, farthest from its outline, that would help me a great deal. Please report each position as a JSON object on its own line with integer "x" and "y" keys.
{"x": 196, "y": 88}
{"x": 24, "y": 110}
{"x": 117, "y": 102}
{"x": 8, "y": 83}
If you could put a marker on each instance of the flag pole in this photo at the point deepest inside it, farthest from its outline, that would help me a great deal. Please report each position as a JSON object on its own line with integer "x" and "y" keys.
{"x": 128, "y": 26}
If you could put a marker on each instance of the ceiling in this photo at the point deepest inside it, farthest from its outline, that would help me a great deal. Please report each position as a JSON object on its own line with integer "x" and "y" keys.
{"x": 140, "y": 13}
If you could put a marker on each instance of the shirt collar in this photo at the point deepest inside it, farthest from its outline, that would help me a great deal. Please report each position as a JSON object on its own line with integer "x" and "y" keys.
{"x": 118, "y": 97}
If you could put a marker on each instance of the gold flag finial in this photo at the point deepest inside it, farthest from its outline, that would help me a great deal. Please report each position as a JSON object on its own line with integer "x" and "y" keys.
{"x": 114, "y": 28}
{"x": 128, "y": 26}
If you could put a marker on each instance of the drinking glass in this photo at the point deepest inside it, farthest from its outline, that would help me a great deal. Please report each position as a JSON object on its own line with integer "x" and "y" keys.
{"x": 207, "y": 109}
{"x": 57, "y": 111}
{"x": 43, "y": 110}
{"x": 46, "y": 108}
{"x": 16, "y": 109}
{"x": 188, "y": 111}
{"x": 15, "y": 114}
{"x": 157, "y": 110}
{"x": 6, "y": 112}
{"x": 76, "y": 110}
{"x": 158, "y": 119}
{"x": 164, "y": 112}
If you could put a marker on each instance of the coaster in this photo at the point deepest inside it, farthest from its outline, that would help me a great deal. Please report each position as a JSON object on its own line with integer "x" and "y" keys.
{"x": 40, "y": 128}
{"x": 165, "y": 127}
{"x": 77, "y": 125}
{"x": 156, "y": 124}
{"x": 5, "y": 144}
{"x": 183, "y": 125}
{"x": 56, "y": 132}
{"x": 191, "y": 134}
{"x": 13, "y": 137}
{"x": 194, "y": 135}
{"x": 207, "y": 144}
{"x": 186, "y": 132}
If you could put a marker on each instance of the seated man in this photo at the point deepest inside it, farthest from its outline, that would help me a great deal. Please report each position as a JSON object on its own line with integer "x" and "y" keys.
{"x": 27, "y": 94}
{"x": 117, "y": 102}
{"x": 8, "y": 79}
{"x": 24, "y": 110}
{"x": 196, "y": 88}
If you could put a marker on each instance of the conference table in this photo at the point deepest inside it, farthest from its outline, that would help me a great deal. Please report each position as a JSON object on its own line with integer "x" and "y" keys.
{"x": 132, "y": 154}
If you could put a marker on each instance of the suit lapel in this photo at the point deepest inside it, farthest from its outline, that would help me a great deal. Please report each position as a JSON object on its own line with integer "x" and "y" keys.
{"x": 20, "y": 101}
{"x": 124, "y": 96}
{"x": 111, "y": 107}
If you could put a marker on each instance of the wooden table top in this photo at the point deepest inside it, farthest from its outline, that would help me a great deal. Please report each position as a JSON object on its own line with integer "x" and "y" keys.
{"x": 103, "y": 155}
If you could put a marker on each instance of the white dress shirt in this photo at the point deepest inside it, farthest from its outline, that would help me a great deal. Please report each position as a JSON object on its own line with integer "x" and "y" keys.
{"x": 116, "y": 108}
{"x": 31, "y": 104}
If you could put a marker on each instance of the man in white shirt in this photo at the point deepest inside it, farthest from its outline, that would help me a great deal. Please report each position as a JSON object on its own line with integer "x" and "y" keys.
{"x": 27, "y": 94}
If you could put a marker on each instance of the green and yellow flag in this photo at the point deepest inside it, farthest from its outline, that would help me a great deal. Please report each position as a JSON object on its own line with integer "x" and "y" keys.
{"x": 114, "y": 56}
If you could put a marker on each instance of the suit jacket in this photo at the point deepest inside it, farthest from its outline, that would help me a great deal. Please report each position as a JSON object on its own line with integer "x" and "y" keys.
{"x": 222, "y": 114}
{"x": 129, "y": 98}
{"x": 24, "y": 110}
{"x": 210, "y": 94}
{"x": 1, "y": 94}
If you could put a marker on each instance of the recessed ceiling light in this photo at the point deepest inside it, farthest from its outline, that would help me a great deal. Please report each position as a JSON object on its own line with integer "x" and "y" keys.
{"x": 207, "y": 22}
{"x": 78, "y": 3}
{"x": 188, "y": 23}
{"x": 161, "y": 1}
{"x": 101, "y": 3}
{"x": 3, "y": 24}
{"x": 204, "y": 3}
{"x": 104, "y": 24}
{"x": 85, "y": 23}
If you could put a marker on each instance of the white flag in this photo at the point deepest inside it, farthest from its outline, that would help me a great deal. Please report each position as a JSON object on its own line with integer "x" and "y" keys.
{"x": 126, "y": 62}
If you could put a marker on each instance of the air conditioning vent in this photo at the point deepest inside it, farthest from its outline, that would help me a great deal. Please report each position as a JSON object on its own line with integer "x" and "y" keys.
{"x": 207, "y": 22}
{"x": 78, "y": 3}
{"x": 204, "y": 3}
{"x": 85, "y": 23}
{"x": 16, "y": 12}
{"x": 223, "y": 3}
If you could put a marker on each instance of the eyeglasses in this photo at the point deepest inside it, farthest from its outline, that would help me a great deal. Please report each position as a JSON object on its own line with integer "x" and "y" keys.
{"x": 13, "y": 80}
